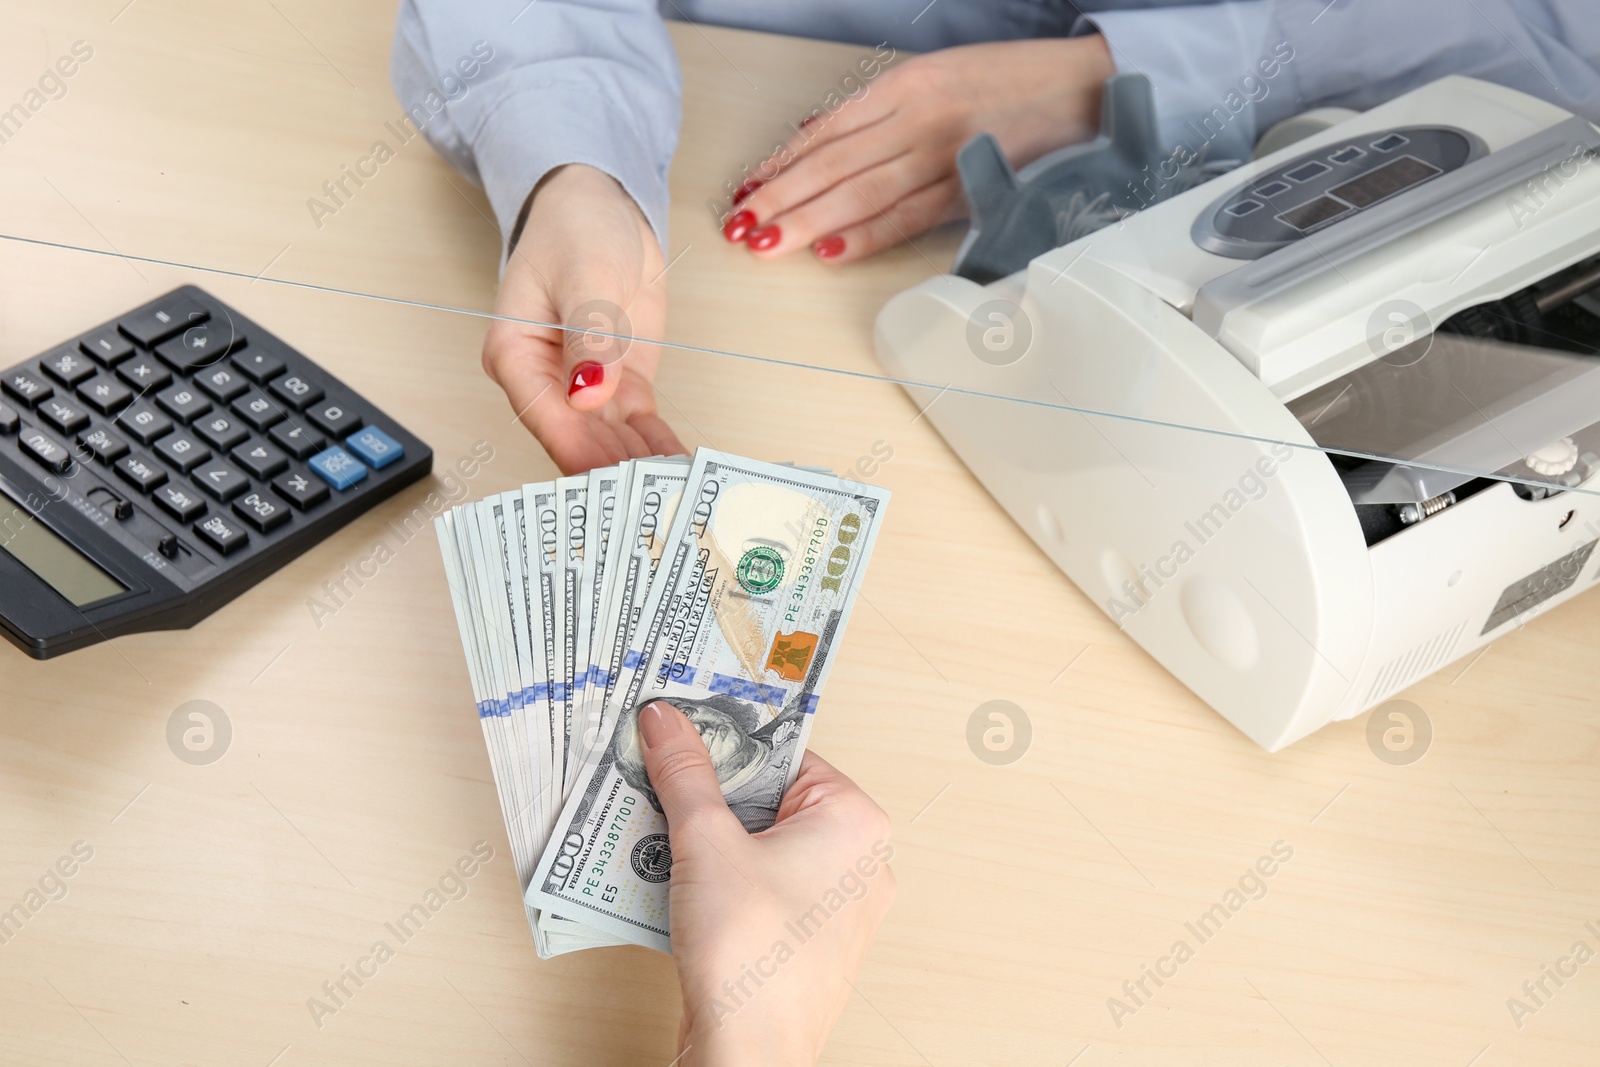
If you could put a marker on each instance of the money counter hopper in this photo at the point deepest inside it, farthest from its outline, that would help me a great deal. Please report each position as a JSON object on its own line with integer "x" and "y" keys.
{"x": 1315, "y": 428}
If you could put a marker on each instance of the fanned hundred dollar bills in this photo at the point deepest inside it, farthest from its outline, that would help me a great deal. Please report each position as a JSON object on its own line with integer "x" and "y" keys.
{"x": 719, "y": 583}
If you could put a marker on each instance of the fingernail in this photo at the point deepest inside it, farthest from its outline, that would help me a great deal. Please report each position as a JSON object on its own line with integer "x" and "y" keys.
{"x": 657, "y": 724}
{"x": 739, "y": 225}
{"x": 750, "y": 185}
{"x": 586, "y": 375}
{"x": 829, "y": 247}
{"x": 808, "y": 120}
{"x": 764, "y": 238}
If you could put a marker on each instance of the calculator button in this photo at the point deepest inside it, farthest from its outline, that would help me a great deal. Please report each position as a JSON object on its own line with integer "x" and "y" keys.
{"x": 221, "y": 481}
{"x": 103, "y": 445}
{"x": 260, "y": 459}
{"x": 301, "y": 490}
{"x": 28, "y": 388}
{"x": 140, "y": 472}
{"x": 107, "y": 346}
{"x": 375, "y": 447}
{"x": 180, "y": 502}
{"x": 105, "y": 394}
{"x": 68, "y": 418}
{"x": 144, "y": 422}
{"x": 264, "y": 513}
{"x": 9, "y": 419}
{"x": 182, "y": 402}
{"x": 338, "y": 468}
{"x": 182, "y": 451}
{"x": 45, "y": 452}
{"x": 223, "y": 431}
{"x": 155, "y": 324}
{"x": 335, "y": 420}
{"x": 200, "y": 345}
{"x": 296, "y": 391}
{"x": 221, "y": 533}
{"x": 144, "y": 373}
{"x": 68, "y": 366}
{"x": 223, "y": 383}
{"x": 298, "y": 441}
{"x": 258, "y": 366}
{"x": 259, "y": 410}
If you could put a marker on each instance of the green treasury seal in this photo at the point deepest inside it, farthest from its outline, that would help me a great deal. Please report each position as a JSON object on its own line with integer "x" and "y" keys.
{"x": 760, "y": 570}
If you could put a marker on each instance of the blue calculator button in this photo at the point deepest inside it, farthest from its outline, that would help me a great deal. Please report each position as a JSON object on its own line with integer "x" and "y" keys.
{"x": 375, "y": 446}
{"x": 338, "y": 468}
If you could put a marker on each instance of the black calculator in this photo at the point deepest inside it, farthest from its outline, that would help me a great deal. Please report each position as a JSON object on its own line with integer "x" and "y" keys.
{"x": 157, "y": 466}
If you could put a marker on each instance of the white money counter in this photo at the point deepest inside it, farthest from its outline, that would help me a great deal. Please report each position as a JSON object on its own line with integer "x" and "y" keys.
{"x": 1315, "y": 428}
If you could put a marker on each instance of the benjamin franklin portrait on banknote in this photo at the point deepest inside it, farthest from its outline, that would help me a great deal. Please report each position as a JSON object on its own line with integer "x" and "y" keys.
{"x": 752, "y": 760}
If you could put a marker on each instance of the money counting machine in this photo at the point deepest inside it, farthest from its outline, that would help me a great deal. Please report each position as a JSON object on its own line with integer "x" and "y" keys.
{"x": 1312, "y": 429}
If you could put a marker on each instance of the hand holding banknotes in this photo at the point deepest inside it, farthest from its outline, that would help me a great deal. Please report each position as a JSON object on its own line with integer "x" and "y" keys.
{"x": 769, "y": 930}
{"x": 585, "y": 252}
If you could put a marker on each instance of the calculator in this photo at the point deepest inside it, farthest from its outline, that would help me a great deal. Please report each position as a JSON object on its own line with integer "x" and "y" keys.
{"x": 159, "y": 465}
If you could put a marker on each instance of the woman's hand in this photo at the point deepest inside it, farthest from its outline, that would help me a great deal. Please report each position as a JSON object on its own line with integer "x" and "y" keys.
{"x": 587, "y": 260}
{"x": 769, "y": 930}
{"x": 882, "y": 168}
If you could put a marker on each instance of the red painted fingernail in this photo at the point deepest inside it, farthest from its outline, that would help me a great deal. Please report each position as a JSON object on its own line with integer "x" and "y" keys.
{"x": 829, "y": 247}
{"x": 764, "y": 238}
{"x": 808, "y": 120}
{"x": 741, "y": 224}
{"x": 750, "y": 185}
{"x": 586, "y": 375}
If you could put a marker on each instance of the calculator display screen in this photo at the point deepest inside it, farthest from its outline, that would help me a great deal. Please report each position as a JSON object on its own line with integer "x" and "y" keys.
{"x": 62, "y": 567}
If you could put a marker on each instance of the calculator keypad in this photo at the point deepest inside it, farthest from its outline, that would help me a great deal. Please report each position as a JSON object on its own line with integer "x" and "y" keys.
{"x": 183, "y": 402}
{"x": 67, "y": 417}
{"x": 180, "y": 501}
{"x": 140, "y": 471}
{"x": 296, "y": 391}
{"x": 68, "y": 366}
{"x": 144, "y": 423}
{"x": 107, "y": 347}
{"x": 258, "y": 409}
{"x": 301, "y": 489}
{"x": 297, "y": 440}
{"x": 222, "y": 383}
{"x": 26, "y": 387}
{"x": 220, "y": 481}
{"x": 258, "y": 366}
{"x": 200, "y": 346}
{"x": 103, "y": 445}
{"x": 105, "y": 394}
{"x": 260, "y": 459}
{"x": 182, "y": 451}
{"x": 221, "y": 438}
{"x": 144, "y": 373}
{"x": 223, "y": 431}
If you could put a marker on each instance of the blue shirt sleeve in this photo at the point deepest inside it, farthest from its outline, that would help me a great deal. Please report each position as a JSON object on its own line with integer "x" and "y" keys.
{"x": 508, "y": 90}
{"x": 1257, "y": 62}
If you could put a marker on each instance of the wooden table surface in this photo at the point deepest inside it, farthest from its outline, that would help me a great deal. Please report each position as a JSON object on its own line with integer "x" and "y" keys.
{"x": 216, "y": 900}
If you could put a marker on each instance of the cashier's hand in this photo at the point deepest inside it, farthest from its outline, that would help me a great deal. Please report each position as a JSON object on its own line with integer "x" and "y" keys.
{"x": 584, "y": 252}
{"x": 769, "y": 930}
{"x": 882, "y": 168}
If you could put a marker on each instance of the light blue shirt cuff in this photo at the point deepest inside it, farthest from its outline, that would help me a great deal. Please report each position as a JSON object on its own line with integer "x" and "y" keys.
{"x": 1211, "y": 67}
{"x": 537, "y": 125}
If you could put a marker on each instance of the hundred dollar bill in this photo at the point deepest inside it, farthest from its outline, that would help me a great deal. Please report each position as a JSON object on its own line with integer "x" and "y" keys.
{"x": 654, "y": 488}
{"x": 740, "y": 628}
{"x": 572, "y": 497}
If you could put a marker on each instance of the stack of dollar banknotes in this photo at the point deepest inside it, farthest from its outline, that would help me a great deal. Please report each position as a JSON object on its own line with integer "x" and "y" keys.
{"x": 721, "y": 584}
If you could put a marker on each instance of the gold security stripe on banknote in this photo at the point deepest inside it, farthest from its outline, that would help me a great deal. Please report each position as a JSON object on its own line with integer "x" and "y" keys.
{"x": 739, "y": 629}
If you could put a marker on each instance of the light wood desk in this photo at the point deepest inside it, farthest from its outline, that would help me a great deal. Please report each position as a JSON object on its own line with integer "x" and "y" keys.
{"x": 220, "y": 898}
